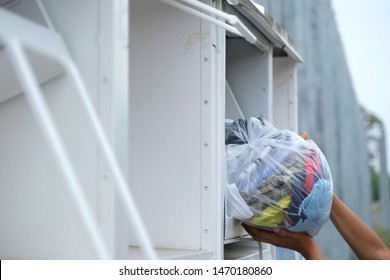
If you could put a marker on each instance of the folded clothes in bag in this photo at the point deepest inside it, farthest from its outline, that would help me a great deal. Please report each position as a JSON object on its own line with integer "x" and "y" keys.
{"x": 275, "y": 177}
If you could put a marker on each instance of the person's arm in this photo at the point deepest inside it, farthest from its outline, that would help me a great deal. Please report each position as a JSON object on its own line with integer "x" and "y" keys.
{"x": 362, "y": 240}
{"x": 300, "y": 242}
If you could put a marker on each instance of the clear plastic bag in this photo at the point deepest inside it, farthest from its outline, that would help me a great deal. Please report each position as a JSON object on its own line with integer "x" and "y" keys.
{"x": 275, "y": 177}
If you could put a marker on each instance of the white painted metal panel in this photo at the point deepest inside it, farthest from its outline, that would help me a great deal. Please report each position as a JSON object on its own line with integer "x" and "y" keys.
{"x": 113, "y": 108}
{"x": 165, "y": 122}
{"x": 249, "y": 74}
{"x": 212, "y": 137}
{"x": 285, "y": 107}
{"x": 233, "y": 110}
{"x": 176, "y": 128}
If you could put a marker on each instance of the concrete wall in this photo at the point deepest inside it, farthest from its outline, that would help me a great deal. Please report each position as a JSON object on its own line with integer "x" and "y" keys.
{"x": 328, "y": 108}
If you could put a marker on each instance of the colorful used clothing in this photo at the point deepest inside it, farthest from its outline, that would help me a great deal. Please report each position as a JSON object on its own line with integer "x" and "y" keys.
{"x": 313, "y": 210}
{"x": 272, "y": 216}
{"x": 277, "y": 177}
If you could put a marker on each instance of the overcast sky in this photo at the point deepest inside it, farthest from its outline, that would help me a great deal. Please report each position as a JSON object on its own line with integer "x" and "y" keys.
{"x": 365, "y": 30}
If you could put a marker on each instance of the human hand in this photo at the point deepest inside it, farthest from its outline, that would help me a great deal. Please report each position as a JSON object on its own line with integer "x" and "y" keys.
{"x": 300, "y": 242}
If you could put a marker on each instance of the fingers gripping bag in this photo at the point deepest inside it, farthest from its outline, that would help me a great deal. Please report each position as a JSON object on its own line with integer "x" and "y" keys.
{"x": 275, "y": 177}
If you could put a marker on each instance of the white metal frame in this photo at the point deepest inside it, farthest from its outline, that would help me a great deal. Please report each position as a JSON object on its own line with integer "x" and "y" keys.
{"x": 20, "y": 35}
{"x": 258, "y": 16}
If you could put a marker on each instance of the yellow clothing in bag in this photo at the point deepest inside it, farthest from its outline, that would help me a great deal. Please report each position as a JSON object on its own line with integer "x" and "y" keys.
{"x": 271, "y": 216}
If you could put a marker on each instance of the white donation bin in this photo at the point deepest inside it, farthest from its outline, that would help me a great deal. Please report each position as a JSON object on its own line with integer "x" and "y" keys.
{"x": 137, "y": 170}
